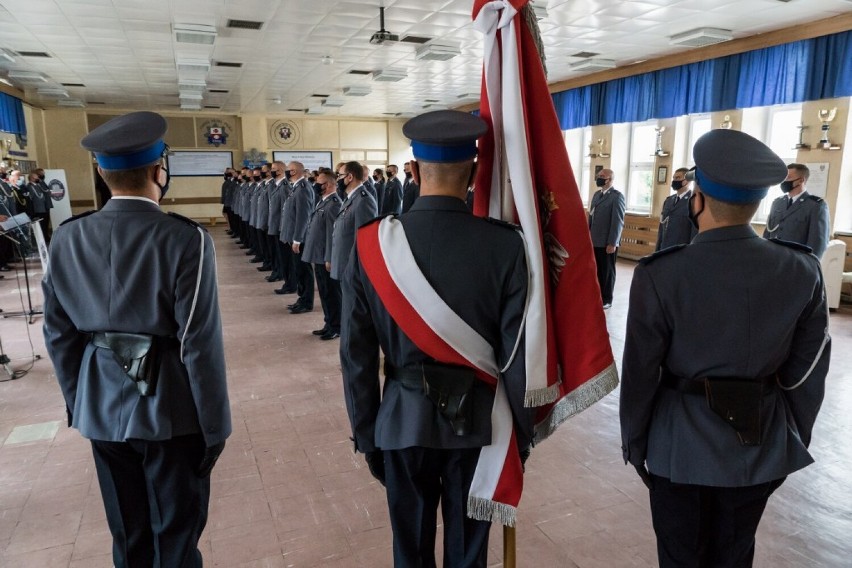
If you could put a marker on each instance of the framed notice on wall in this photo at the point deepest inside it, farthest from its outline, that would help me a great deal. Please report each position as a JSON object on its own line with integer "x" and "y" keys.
{"x": 199, "y": 163}
{"x": 312, "y": 160}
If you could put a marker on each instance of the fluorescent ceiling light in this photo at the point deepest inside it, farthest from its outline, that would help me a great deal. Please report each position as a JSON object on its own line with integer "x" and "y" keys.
{"x": 592, "y": 65}
{"x": 195, "y": 33}
{"x": 7, "y": 56}
{"x": 192, "y": 84}
{"x": 334, "y": 102}
{"x": 193, "y": 65}
{"x": 190, "y": 95}
{"x": 27, "y": 77}
{"x": 190, "y": 106}
{"x": 316, "y": 110}
{"x": 539, "y": 9}
{"x": 391, "y": 75}
{"x": 52, "y": 92}
{"x": 357, "y": 91}
{"x": 436, "y": 52}
{"x": 71, "y": 103}
{"x": 700, "y": 37}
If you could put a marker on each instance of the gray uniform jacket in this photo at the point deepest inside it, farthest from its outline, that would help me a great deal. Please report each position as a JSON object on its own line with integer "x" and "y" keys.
{"x": 371, "y": 189}
{"x": 804, "y": 222}
{"x": 276, "y": 195}
{"x": 286, "y": 193}
{"x": 297, "y": 211}
{"x": 606, "y": 218}
{"x": 380, "y": 191}
{"x": 358, "y": 208}
{"x": 8, "y": 205}
{"x": 410, "y": 192}
{"x": 675, "y": 226}
{"x": 715, "y": 308}
{"x": 479, "y": 269}
{"x": 392, "y": 198}
{"x": 318, "y": 241}
{"x": 132, "y": 268}
{"x": 253, "y": 197}
{"x": 263, "y": 205}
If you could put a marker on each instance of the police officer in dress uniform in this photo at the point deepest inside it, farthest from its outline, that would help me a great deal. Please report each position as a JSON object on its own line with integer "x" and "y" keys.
{"x": 297, "y": 212}
{"x": 478, "y": 268}
{"x": 317, "y": 253}
{"x": 8, "y": 208}
{"x": 724, "y": 370}
{"x": 276, "y": 196}
{"x": 47, "y": 202}
{"x": 606, "y": 220}
{"x": 675, "y": 226}
{"x": 410, "y": 188}
{"x": 358, "y": 208}
{"x": 799, "y": 216}
{"x": 131, "y": 323}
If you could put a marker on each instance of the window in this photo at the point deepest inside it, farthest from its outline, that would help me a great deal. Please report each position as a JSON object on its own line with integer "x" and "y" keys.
{"x": 640, "y": 182}
{"x": 577, "y": 144}
{"x": 782, "y": 135}
{"x": 699, "y": 125}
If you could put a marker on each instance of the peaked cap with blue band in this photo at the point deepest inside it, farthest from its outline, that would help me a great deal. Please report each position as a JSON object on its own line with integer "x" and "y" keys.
{"x": 129, "y": 141}
{"x": 444, "y": 135}
{"x": 734, "y": 167}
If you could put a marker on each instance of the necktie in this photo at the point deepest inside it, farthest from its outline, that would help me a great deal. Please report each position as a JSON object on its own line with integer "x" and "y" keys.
{"x": 789, "y": 202}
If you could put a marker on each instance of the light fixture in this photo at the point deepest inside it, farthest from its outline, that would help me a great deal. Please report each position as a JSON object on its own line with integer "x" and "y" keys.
{"x": 192, "y": 84}
{"x": 700, "y": 37}
{"x": 189, "y": 65}
{"x": 592, "y": 65}
{"x": 315, "y": 110}
{"x": 389, "y": 75}
{"x": 327, "y": 59}
{"x": 195, "y": 33}
{"x": 334, "y": 102}
{"x": 190, "y": 105}
{"x": 75, "y": 103}
{"x": 7, "y": 56}
{"x": 27, "y": 77}
{"x": 357, "y": 91}
{"x": 436, "y": 52}
{"x": 57, "y": 92}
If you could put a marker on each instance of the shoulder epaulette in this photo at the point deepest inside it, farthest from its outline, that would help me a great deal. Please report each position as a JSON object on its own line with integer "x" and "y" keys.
{"x": 792, "y": 245}
{"x": 505, "y": 224}
{"x": 186, "y": 220}
{"x": 816, "y": 198}
{"x": 668, "y": 250}
{"x": 364, "y": 192}
{"x": 75, "y": 217}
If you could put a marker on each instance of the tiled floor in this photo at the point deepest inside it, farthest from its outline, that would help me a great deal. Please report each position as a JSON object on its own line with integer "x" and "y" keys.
{"x": 289, "y": 492}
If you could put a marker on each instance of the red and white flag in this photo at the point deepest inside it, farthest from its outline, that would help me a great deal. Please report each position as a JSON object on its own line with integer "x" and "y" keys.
{"x": 525, "y": 177}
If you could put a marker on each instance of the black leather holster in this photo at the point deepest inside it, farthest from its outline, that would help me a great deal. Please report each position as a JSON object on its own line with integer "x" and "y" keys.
{"x": 735, "y": 400}
{"x": 137, "y": 354}
{"x": 447, "y": 386}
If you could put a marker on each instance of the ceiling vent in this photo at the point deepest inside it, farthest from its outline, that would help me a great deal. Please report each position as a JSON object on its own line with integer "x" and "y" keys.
{"x": 413, "y": 39}
{"x": 700, "y": 37}
{"x": 436, "y": 52}
{"x": 357, "y": 91}
{"x": 244, "y": 24}
{"x": 33, "y": 54}
{"x": 334, "y": 102}
{"x": 218, "y": 91}
{"x": 585, "y": 54}
{"x": 468, "y": 96}
{"x": 193, "y": 65}
{"x": 27, "y": 77}
{"x": 73, "y": 103}
{"x": 57, "y": 92}
{"x": 228, "y": 64}
{"x": 358, "y": 72}
{"x": 593, "y": 65}
{"x": 390, "y": 75}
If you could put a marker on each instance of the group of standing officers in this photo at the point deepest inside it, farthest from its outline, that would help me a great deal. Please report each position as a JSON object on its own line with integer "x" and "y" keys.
{"x": 23, "y": 193}
{"x": 299, "y": 224}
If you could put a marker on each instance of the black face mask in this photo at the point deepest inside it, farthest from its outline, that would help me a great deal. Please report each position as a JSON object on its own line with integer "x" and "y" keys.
{"x": 245, "y": 178}
{"x": 787, "y": 186}
{"x": 41, "y": 177}
{"x": 287, "y": 175}
{"x": 407, "y": 175}
{"x": 341, "y": 185}
{"x": 318, "y": 188}
{"x": 227, "y": 176}
{"x": 600, "y": 182}
{"x": 693, "y": 215}
{"x": 3, "y": 175}
{"x": 165, "y": 187}
{"x": 264, "y": 175}
{"x": 677, "y": 184}
{"x": 256, "y": 178}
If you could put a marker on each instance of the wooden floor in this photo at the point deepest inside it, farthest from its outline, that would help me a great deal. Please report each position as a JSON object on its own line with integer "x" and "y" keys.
{"x": 288, "y": 490}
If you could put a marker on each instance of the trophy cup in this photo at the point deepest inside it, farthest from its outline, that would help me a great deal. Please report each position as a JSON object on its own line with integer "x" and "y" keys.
{"x": 826, "y": 116}
{"x": 659, "y": 151}
{"x": 801, "y": 144}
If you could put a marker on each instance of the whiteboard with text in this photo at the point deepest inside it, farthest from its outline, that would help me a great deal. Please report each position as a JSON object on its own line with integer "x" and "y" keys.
{"x": 199, "y": 163}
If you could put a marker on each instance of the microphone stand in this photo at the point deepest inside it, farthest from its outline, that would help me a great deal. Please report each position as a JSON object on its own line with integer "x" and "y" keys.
{"x": 31, "y": 313}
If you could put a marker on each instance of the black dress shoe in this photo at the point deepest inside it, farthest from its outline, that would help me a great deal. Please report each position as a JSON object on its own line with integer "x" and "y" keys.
{"x": 322, "y": 331}
{"x": 293, "y": 305}
{"x": 284, "y": 290}
{"x": 264, "y": 268}
{"x": 330, "y": 335}
{"x": 256, "y": 259}
{"x": 301, "y": 310}
{"x": 273, "y": 278}
{"x": 244, "y": 247}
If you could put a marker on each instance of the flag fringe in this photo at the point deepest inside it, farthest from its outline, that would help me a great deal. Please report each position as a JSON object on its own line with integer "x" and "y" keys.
{"x": 542, "y": 396}
{"x": 576, "y": 401}
{"x": 482, "y": 509}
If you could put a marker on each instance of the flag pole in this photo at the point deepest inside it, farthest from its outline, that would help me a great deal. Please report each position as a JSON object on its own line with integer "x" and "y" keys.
{"x": 508, "y": 547}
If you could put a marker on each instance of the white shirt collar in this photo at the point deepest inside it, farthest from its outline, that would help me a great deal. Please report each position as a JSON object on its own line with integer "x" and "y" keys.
{"x": 793, "y": 199}
{"x": 136, "y": 198}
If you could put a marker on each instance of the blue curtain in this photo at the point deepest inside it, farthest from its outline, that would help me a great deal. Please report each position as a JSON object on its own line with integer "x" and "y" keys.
{"x": 819, "y": 68}
{"x": 12, "y": 115}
